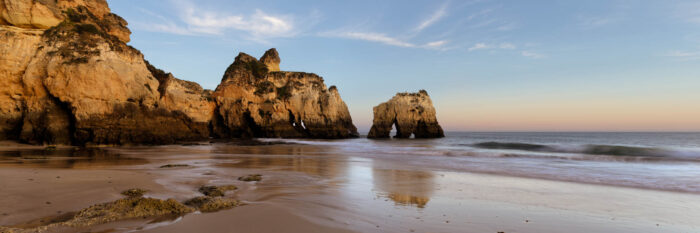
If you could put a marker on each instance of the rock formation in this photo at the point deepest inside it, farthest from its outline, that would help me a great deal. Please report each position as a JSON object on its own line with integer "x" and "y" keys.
{"x": 271, "y": 59}
{"x": 411, "y": 113}
{"x": 254, "y": 101}
{"x": 77, "y": 82}
{"x": 67, "y": 76}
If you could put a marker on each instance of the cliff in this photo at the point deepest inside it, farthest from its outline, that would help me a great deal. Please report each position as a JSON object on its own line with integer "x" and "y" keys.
{"x": 411, "y": 113}
{"x": 67, "y": 76}
{"x": 255, "y": 99}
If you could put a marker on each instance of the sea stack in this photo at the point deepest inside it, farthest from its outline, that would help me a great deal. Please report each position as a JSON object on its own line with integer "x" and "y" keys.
{"x": 255, "y": 99}
{"x": 411, "y": 113}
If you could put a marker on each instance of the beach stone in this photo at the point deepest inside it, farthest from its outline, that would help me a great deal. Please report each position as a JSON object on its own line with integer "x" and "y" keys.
{"x": 216, "y": 191}
{"x": 249, "y": 178}
{"x": 128, "y": 208}
{"x": 211, "y": 204}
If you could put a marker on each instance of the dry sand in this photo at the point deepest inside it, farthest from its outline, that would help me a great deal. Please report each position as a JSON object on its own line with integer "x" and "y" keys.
{"x": 315, "y": 189}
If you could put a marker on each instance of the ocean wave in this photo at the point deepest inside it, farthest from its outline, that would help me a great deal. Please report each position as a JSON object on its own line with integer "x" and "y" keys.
{"x": 604, "y": 150}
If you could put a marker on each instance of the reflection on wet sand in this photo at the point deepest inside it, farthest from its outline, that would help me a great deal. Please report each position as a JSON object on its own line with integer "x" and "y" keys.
{"x": 404, "y": 187}
{"x": 269, "y": 150}
{"x": 311, "y": 166}
{"x": 66, "y": 158}
{"x": 266, "y": 158}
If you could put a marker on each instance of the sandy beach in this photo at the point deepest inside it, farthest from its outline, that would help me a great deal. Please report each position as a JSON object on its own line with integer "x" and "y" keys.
{"x": 313, "y": 188}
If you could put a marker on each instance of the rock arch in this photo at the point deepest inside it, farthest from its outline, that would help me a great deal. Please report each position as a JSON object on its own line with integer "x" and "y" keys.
{"x": 410, "y": 113}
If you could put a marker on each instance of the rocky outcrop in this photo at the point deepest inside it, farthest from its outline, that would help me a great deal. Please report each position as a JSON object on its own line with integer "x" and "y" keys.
{"x": 44, "y": 14}
{"x": 79, "y": 83}
{"x": 256, "y": 102}
{"x": 271, "y": 59}
{"x": 411, "y": 113}
{"x": 67, "y": 76}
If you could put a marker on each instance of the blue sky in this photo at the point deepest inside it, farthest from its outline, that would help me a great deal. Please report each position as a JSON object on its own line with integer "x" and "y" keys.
{"x": 609, "y": 65}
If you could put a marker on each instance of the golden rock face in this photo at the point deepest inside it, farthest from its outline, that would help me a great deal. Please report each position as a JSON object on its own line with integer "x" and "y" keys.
{"x": 411, "y": 113}
{"x": 68, "y": 77}
{"x": 254, "y": 101}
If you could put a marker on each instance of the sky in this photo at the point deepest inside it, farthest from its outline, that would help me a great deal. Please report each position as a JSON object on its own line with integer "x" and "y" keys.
{"x": 488, "y": 65}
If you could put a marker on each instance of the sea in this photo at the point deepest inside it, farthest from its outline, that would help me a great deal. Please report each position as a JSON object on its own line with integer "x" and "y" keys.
{"x": 647, "y": 160}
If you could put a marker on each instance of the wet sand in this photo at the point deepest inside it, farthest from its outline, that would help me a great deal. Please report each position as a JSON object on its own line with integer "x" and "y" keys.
{"x": 311, "y": 188}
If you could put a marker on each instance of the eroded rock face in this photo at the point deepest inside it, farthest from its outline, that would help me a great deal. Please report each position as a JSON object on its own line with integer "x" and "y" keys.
{"x": 68, "y": 77}
{"x": 79, "y": 83}
{"x": 411, "y": 113}
{"x": 44, "y": 14}
{"x": 271, "y": 59}
{"x": 255, "y": 102}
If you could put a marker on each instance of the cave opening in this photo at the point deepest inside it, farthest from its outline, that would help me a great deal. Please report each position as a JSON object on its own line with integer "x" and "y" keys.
{"x": 253, "y": 129}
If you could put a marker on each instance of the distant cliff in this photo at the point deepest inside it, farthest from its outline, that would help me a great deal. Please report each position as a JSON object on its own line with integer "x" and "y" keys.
{"x": 411, "y": 113}
{"x": 67, "y": 76}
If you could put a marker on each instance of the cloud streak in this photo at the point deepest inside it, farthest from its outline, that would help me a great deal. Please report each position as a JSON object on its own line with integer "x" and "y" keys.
{"x": 485, "y": 46}
{"x": 384, "y": 39}
{"x": 434, "y": 18}
{"x": 375, "y": 37}
{"x": 531, "y": 54}
{"x": 198, "y": 22}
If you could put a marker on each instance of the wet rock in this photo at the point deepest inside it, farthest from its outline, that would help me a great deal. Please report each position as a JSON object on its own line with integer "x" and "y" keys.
{"x": 253, "y": 102}
{"x": 249, "y": 178}
{"x": 135, "y": 192}
{"x": 216, "y": 191}
{"x": 411, "y": 113}
{"x": 128, "y": 208}
{"x": 211, "y": 204}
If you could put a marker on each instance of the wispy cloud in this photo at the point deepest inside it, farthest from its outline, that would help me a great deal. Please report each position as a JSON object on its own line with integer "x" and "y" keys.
{"x": 384, "y": 39}
{"x": 436, "y": 44}
{"x": 483, "y": 46}
{"x": 434, "y": 18}
{"x": 683, "y": 55}
{"x": 259, "y": 24}
{"x": 531, "y": 54}
{"x": 371, "y": 36}
{"x": 478, "y": 46}
{"x": 590, "y": 22}
{"x": 195, "y": 21}
{"x": 404, "y": 39}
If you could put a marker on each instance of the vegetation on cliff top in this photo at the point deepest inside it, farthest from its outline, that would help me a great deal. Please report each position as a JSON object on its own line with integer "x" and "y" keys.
{"x": 78, "y": 36}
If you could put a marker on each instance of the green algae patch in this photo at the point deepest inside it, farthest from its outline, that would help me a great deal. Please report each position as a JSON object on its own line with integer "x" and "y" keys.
{"x": 249, "y": 178}
{"x": 136, "y": 192}
{"x": 216, "y": 191}
{"x": 128, "y": 208}
{"x": 211, "y": 204}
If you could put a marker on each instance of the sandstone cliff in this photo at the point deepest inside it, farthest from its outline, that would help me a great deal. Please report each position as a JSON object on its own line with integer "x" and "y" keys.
{"x": 77, "y": 82}
{"x": 411, "y": 113}
{"x": 67, "y": 76}
{"x": 255, "y": 100}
